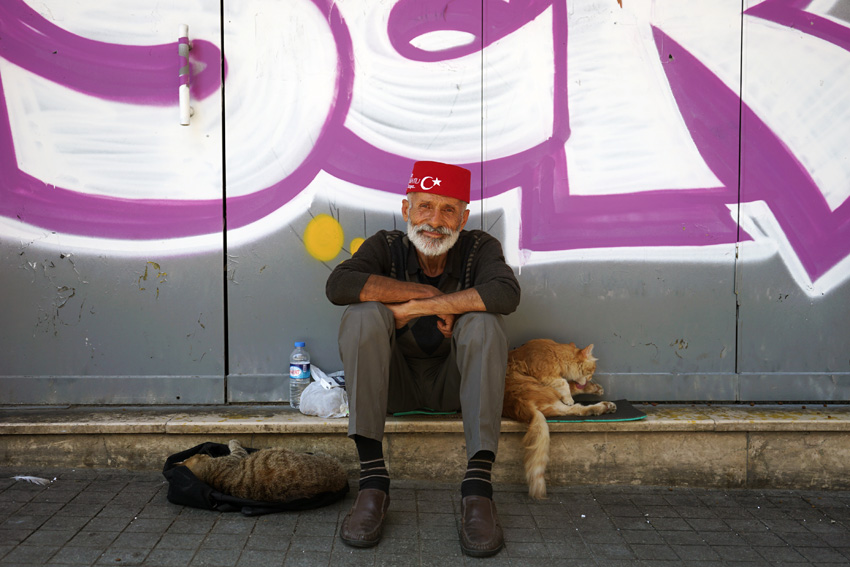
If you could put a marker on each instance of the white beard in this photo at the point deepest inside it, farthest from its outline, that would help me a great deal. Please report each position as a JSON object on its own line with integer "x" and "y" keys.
{"x": 432, "y": 246}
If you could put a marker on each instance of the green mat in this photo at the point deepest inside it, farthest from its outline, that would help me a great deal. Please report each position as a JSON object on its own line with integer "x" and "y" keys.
{"x": 424, "y": 411}
{"x": 625, "y": 412}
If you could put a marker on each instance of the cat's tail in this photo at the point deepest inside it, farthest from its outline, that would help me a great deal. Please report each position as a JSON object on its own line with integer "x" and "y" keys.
{"x": 536, "y": 445}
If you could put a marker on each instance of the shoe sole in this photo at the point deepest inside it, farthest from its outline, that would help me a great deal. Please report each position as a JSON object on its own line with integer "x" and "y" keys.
{"x": 481, "y": 552}
{"x": 359, "y": 542}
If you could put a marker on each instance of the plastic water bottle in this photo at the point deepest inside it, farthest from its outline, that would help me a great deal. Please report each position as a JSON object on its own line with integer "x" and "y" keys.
{"x": 299, "y": 373}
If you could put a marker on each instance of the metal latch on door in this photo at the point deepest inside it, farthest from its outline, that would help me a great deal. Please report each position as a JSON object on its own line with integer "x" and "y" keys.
{"x": 184, "y": 73}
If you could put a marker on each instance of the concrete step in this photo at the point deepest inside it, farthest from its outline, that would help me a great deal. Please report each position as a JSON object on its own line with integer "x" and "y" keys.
{"x": 711, "y": 446}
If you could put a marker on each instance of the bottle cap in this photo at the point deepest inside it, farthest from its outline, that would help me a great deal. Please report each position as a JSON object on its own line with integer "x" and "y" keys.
{"x": 300, "y": 344}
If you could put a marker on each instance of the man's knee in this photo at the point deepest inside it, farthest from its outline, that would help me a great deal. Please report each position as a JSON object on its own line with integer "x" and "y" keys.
{"x": 480, "y": 327}
{"x": 368, "y": 316}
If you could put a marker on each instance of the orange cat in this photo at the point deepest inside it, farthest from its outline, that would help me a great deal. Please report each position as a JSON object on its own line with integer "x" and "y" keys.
{"x": 541, "y": 378}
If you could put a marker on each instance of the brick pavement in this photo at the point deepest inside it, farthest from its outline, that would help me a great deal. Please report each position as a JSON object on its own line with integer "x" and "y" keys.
{"x": 109, "y": 517}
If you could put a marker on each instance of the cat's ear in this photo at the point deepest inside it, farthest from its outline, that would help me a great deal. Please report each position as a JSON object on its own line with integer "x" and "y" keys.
{"x": 587, "y": 352}
{"x": 192, "y": 462}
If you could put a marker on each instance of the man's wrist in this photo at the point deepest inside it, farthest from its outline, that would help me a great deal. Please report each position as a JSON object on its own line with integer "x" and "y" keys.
{"x": 412, "y": 307}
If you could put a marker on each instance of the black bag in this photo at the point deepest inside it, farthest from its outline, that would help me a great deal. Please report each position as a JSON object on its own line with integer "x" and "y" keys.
{"x": 185, "y": 489}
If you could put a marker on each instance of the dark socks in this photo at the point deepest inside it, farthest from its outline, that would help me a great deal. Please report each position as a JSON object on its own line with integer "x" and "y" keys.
{"x": 477, "y": 481}
{"x": 373, "y": 471}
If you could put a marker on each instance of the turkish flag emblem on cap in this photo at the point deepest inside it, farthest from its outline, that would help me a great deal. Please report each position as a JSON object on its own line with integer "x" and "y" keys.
{"x": 441, "y": 179}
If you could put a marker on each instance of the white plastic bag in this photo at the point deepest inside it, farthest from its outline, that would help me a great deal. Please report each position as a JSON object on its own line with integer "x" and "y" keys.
{"x": 324, "y": 397}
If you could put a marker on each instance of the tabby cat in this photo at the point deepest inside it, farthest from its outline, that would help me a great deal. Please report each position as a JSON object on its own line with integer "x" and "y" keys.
{"x": 268, "y": 475}
{"x": 542, "y": 375}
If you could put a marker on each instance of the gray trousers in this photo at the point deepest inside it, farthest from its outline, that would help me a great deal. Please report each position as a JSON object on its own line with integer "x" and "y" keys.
{"x": 380, "y": 380}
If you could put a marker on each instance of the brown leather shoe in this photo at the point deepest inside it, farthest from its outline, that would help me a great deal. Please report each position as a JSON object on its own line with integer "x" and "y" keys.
{"x": 363, "y": 525}
{"x": 480, "y": 532}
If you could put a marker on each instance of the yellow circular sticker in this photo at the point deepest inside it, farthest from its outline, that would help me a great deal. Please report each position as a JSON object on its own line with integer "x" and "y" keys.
{"x": 323, "y": 237}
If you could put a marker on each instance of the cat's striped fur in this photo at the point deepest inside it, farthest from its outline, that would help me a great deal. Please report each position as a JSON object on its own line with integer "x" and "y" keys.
{"x": 268, "y": 475}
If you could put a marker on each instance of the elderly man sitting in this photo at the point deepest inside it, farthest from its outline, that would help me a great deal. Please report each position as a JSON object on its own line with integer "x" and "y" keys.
{"x": 424, "y": 329}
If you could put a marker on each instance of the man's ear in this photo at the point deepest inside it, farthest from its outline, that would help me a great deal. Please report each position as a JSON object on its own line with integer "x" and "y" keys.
{"x": 405, "y": 207}
{"x": 465, "y": 218}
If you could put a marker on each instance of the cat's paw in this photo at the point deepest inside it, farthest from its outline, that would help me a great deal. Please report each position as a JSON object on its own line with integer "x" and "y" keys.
{"x": 234, "y": 445}
{"x": 610, "y": 407}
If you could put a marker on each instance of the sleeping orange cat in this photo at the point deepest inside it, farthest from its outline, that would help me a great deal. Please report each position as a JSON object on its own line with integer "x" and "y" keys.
{"x": 541, "y": 378}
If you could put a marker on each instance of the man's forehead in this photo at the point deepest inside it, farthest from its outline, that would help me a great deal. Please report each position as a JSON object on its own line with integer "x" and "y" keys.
{"x": 435, "y": 199}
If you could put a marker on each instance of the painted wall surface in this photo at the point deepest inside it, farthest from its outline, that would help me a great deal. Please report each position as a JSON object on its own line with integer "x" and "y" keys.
{"x": 669, "y": 180}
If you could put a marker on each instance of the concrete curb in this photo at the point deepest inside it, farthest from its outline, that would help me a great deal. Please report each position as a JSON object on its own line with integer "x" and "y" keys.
{"x": 720, "y": 446}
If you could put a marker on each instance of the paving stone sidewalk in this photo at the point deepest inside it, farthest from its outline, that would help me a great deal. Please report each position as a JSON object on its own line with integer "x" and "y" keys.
{"x": 109, "y": 517}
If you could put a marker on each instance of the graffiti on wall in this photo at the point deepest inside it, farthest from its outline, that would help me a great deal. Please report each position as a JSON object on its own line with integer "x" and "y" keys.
{"x": 683, "y": 128}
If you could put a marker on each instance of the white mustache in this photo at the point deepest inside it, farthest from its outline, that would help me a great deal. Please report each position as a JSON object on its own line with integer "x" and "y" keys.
{"x": 439, "y": 230}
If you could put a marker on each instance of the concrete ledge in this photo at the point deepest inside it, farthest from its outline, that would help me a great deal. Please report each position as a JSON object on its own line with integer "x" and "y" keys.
{"x": 777, "y": 446}
{"x": 234, "y": 419}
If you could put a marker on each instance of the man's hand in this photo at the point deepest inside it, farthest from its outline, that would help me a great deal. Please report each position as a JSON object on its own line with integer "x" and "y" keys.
{"x": 446, "y": 307}
{"x": 446, "y": 323}
{"x": 404, "y": 313}
{"x": 401, "y": 312}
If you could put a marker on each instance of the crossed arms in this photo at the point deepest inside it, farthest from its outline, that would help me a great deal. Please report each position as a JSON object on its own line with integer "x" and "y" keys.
{"x": 408, "y": 300}
{"x": 366, "y": 277}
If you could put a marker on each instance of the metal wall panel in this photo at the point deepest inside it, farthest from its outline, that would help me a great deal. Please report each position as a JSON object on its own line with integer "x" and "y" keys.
{"x": 793, "y": 327}
{"x": 276, "y": 297}
{"x": 618, "y": 219}
{"x": 604, "y": 145}
{"x": 74, "y": 316}
{"x": 111, "y": 210}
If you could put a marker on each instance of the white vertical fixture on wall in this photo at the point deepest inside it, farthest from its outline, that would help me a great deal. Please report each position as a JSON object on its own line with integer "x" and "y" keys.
{"x": 183, "y": 73}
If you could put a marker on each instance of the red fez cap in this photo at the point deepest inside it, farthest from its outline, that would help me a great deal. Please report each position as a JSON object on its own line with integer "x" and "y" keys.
{"x": 440, "y": 178}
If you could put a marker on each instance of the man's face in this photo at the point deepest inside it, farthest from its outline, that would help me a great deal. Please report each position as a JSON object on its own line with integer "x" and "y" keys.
{"x": 434, "y": 222}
